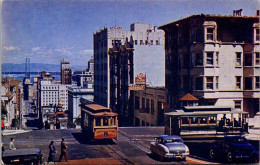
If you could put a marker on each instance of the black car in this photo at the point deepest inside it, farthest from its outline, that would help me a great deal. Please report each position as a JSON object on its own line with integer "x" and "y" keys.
{"x": 233, "y": 148}
{"x": 23, "y": 156}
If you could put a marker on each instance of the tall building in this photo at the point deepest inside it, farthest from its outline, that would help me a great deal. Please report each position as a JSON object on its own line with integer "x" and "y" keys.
{"x": 216, "y": 59}
{"x": 66, "y": 72}
{"x": 52, "y": 93}
{"x": 148, "y": 57}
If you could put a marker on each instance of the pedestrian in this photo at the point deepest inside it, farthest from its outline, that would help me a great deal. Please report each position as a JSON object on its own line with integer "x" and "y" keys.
{"x": 3, "y": 150}
{"x": 52, "y": 152}
{"x": 11, "y": 144}
{"x": 63, "y": 150}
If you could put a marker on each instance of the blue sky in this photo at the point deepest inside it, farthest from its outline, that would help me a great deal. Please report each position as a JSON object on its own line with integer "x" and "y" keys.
{"x": 47, "y": 31}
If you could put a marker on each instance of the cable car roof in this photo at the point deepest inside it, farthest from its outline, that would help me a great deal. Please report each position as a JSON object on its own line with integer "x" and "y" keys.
{"x": 179, "y": 113}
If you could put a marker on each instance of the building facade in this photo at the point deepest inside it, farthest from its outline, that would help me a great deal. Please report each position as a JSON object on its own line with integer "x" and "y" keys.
{"x": 66, "y": 72}
{"x": 148, "y": 50}
{"x": 148, "y": 106}
{"x": 216, "y": 59}
{"x": 74, "y": 96}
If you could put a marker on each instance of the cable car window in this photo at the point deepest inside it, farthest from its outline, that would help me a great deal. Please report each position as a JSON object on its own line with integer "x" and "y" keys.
{"x": 105, "y": 121}
{"x": 112, "y": 121}
{"x": 203, "y": 120}
{"x": 185, "y": 120}
{"x": 212, "y": 120}
{"x": 194, "y": 120}
{"x": 98, "y": 121}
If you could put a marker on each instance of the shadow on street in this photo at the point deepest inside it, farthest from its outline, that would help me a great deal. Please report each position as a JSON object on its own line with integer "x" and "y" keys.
{"x": 83, "y": 138}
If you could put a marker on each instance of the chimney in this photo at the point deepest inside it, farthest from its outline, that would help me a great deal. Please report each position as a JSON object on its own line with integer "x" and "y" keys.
{"x": 237, "y": 12}
{"x": 257, "y": 12}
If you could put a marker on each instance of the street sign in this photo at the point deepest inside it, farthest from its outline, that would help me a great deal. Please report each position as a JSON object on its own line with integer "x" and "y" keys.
{"x": 136, "y": 87}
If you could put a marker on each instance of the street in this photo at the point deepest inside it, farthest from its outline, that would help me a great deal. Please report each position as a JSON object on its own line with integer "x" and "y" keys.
{"x": 132, "y": 145}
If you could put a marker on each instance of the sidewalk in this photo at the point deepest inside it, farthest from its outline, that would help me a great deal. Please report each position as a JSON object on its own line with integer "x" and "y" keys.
{"x": 88, "y": 161}
{"x": 254, "y": 134}
{"x": 12, "y": 132}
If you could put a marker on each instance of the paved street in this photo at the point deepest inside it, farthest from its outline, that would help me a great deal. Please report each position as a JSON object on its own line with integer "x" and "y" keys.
{"x": 132, "y": 145}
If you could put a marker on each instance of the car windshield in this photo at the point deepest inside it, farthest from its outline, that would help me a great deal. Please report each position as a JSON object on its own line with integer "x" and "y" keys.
{"x": 172, "y": 140}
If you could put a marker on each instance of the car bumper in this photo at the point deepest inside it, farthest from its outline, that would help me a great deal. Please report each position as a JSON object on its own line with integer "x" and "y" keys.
{"x": 171, "y": 155}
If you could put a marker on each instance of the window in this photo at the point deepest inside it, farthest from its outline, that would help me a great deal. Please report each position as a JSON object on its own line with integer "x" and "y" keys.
{"x": 209, "y": 58}
{"x": 248, "y": 83}
{"x": 198, "y": 59}
{"x": 143, "y": 102}
{"x": 196, "y": 35}
{"x": 209, "y": 82}
{"x": 237, "y": 104}
{"x": 199, "y": 83}
{"x": 257, "y": 58}
{"x": 157, "y": 42}
{"x": 238, "y": 59}
{"x": 137, "y": 102}
{"x": 217, "y": 55}
{"x": 151, "y": 42}
{"x": 216, "y": 82}
{"x": 152, "y": 107}
{"x": 210, "y": 33}
{"x": 105, "y": 121}
{"x": 98, "y": 121}
{"x": 248, "y": 59}
{"x": 257, "y": 34}
{"x": 135, "y": 42}
{"x": 257, "y": 82}
{"x": 238, "y": 82}
{"x": 146, "y": 42}
{"x": 141, "y": 42}
{"x": 147, "y": 105}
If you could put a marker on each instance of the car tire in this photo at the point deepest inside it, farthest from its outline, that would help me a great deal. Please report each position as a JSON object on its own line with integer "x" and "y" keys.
{"x": 229, "y": 157}
{"x": 212, "y": 154}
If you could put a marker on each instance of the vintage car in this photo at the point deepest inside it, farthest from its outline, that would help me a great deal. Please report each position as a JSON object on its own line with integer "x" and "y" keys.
{"x": 169, "y": 146}
{"x": 233, "y": 148}
{"x": 23, "y": 156}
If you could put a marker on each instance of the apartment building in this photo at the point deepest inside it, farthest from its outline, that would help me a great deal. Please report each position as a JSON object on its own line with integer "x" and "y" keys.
{"x": 216, "y": 59}
{"x": 148, "y": 58}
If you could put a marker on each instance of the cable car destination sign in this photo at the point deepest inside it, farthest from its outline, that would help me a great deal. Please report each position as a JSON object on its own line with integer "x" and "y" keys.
{"x": 140, "y": 81}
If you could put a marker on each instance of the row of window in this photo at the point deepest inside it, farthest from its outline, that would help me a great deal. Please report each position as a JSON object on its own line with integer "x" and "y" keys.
{"x": 197, "y": 35}
{"x": 147, "y": 105}
{"x": 212, "y": 58}
{"x": 147, "y": 42}
{"x": 209, "y": 84}
{"x": 46, "y": 87}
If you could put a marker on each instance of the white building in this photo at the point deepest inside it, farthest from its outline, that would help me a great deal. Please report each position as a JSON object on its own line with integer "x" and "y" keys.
{"x": 148, "y": 56}
{"x": 74, "y": 96}
{"x": 53, "y": 92}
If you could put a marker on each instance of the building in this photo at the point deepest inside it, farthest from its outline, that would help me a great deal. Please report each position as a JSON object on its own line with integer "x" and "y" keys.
{"x": 11, "y": 102}
{"x": 51, "y": 93}
{"x": 121, "y": 75}
{"x": 66, "y": 72}
{"x": 74, "y": 96}
{"x": 85, "y": 78}
{"x": 216, "y": 59}
{"x": 27, "y": 89}
{"x": 148, "y": 58}
{"x": 149, "y": 106}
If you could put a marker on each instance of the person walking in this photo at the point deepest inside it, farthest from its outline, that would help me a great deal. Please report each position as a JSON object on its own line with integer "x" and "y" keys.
{"x": 63, "y": 150}
{"x": 52, "y": 152}
{"x": 11, "y": 144}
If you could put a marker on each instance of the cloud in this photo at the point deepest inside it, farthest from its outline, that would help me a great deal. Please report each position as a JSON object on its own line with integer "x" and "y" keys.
{"x": 36, "y": 49}
{"x": 10, "y": 48}
{"x": 86, "y": 51}
{"x": 63, "y": 51}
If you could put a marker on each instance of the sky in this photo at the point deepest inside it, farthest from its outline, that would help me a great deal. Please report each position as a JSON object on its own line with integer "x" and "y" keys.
{"x": 47, "y": 31}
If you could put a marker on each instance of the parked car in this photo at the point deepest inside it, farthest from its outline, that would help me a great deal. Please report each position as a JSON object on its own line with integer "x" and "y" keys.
{"x": 233, "y": 148}
{"x": 23, "y": 156}
{"x": 169, "y": 146}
